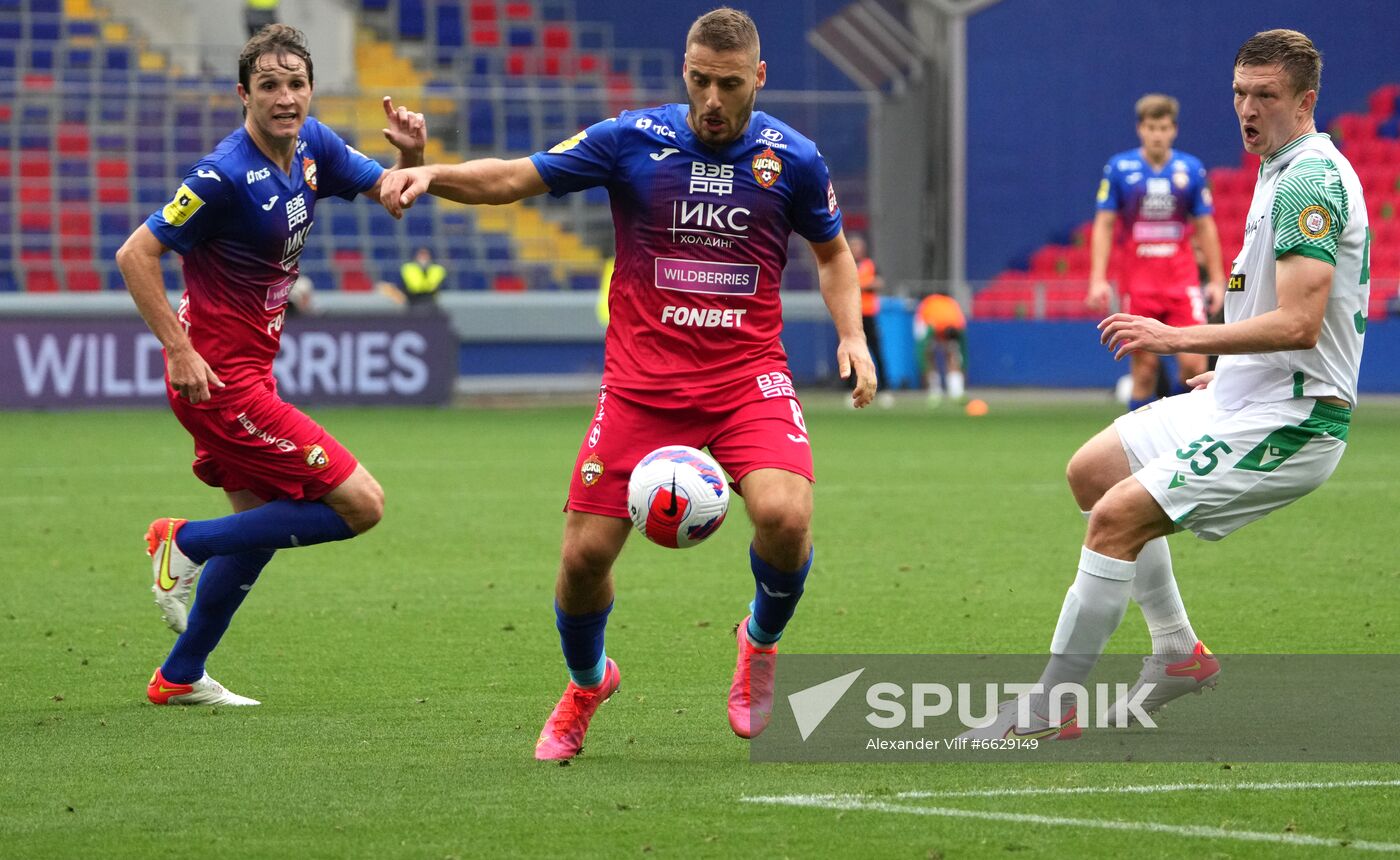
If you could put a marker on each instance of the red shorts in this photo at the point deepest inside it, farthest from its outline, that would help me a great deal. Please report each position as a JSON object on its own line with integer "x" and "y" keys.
{"x": 755, "y": 423}
{"x": 1182, "y": 309}
{"x": 259, "y": 442}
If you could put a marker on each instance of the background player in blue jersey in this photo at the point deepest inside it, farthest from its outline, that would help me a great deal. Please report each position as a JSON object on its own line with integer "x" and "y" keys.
{"x": 1155, "y": 196}
{"x": 240, "y": 220}
{"x": 704, "y": 197}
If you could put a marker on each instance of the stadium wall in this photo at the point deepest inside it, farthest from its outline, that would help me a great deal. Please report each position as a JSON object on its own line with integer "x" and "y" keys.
{"x": 1051, "y": 88}
{"x": 364, "y": 349}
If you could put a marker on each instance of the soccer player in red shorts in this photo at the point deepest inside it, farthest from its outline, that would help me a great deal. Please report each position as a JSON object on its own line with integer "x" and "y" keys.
{"x": 240, "y": 221}
{"x": 704, "y": 198}
{"x": 1155, "y": 195}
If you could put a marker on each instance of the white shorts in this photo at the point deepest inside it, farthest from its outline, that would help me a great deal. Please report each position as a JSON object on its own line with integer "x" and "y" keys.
{"x": 1214, "y": 470}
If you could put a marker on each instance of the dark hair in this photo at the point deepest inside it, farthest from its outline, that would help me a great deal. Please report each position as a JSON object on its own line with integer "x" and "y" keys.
{"x": 278, "y": 39}
{"x": 724, "y": 30}
{"x": 1157, "y": 106}
{"x": 1290, "y": 49}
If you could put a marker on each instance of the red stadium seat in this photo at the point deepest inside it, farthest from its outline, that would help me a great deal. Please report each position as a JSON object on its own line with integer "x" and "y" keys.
{"x": 516, "y": 63}
{"x": 520, "y": 11}
{"x": 36, "y": 194}
{"x": 508, "y": 283}
{"x": 110, "y": 168}
{"x": 36, "y": 221}
{"x": 35, "y": 166}
{"x": 1382, "y": 101}
{"x": 113, "y": 194}
{"x": 484, "y": 11}
{"x": 73, "y": 139}
{"x": 486, "y": 37}
{"x": 40, "y": 279}
{"x": 76, "y": 223}
{"x": 558, "y": 37}
{"x": 82, "y": 279}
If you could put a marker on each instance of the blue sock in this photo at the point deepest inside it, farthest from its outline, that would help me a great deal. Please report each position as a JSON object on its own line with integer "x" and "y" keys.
{"x": 1134, "y": 404}
{"x": 275, "y": 525}
{"x": 222, "y": 587}
{"x": 775, "y": 597}
{"x": 581, "y": 637}
{"x": 1178, "y": 387}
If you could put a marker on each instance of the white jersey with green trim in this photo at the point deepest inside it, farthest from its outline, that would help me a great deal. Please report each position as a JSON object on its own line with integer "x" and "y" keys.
{"x": 1307, "y": 201}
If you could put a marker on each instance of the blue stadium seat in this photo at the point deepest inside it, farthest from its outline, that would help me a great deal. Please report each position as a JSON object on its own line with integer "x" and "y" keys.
{"x": 449, "y": 26}
{"x": 468, "y": 279}
{"x": 8, "y": 282}
{"x": 44, "y": 30}
{"x": 344, "y": 224}
{"x": 45, "y": 7}
{"x": 481, "y": 125}
{"x": 521, "y": 37}
{"x": 497, "y": 247}
{"x": 152, "y": 195}
{"x": 460, "y": 252}
{"x": 80, "y": 28}
{"x": 114, "y": 224}
{"x": 115, "y": 281}
{"x": 116, "y": 60}
{"x": 418, "y": 225}
{"x": 41, "y": 59}
{"x": 7, "y": 58}
{"x": 519, "y": 135}
{"x": 412, "y": 19}
{"x": 10, "y": 29}
{"x": 376, "y": 5}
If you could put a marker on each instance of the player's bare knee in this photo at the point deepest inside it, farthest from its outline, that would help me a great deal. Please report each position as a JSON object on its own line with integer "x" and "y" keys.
{"x": 366, "y": 508}
{"x": 781, "y": 524}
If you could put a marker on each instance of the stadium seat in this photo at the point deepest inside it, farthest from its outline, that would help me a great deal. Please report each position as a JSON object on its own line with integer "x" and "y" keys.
{"x": 82, "y": 279}
{"x": 412, "y": 20}
{"x": 448, "y": 26}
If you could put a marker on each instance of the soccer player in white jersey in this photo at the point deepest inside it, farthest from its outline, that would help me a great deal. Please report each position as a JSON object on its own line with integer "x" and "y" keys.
{"x": 1263, "y": 430}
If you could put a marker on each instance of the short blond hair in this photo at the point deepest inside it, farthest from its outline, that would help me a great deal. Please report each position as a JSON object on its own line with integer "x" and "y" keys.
{"x": 1156, "y": 106}
{"x": 1295, "y": 52}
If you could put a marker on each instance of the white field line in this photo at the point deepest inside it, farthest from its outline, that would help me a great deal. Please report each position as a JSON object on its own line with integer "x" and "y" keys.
{"x": 1156, "y": 789}
{"x": 1189, "y": 830}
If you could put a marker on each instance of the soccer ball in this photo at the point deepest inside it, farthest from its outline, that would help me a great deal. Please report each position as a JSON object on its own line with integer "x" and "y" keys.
{"x": 677, "y": 496}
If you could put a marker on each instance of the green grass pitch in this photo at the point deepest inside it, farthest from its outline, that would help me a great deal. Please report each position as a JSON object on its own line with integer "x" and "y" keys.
{"x": 405, "y": 674}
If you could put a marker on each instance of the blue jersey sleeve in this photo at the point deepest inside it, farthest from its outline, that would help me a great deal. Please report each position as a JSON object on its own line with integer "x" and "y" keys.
{"x": 1201, "y": 202}
{"x": 815, "y": 215}
{"x": 341, "y": 170}
{"x": 586, "y": 160}
{"x": 196, "y": 212}
{"x": 1109, "y": 196}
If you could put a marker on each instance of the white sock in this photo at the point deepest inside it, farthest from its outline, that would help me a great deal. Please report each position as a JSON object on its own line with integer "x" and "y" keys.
{"x": 1156, "y": 594}
{"x": 955, "y": 384}
{"x": 1093, "y": 609}
{"x": 935, "y": 387}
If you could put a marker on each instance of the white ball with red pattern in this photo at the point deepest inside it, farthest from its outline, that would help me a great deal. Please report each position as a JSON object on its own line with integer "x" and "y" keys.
{"x": 677, "y": 496}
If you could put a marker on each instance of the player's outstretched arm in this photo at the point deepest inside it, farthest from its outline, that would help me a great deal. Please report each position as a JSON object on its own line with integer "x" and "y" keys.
{"x": 1303, "y": 285}
{"x": 485, "y": 180}
{"x": 836, "y": 274}
{"x": 139, "y": 262}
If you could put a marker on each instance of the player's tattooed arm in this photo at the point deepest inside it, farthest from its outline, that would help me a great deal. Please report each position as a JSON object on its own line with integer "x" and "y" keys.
{"x": 139, "y": 262}
{"x": 836, "y": 275}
